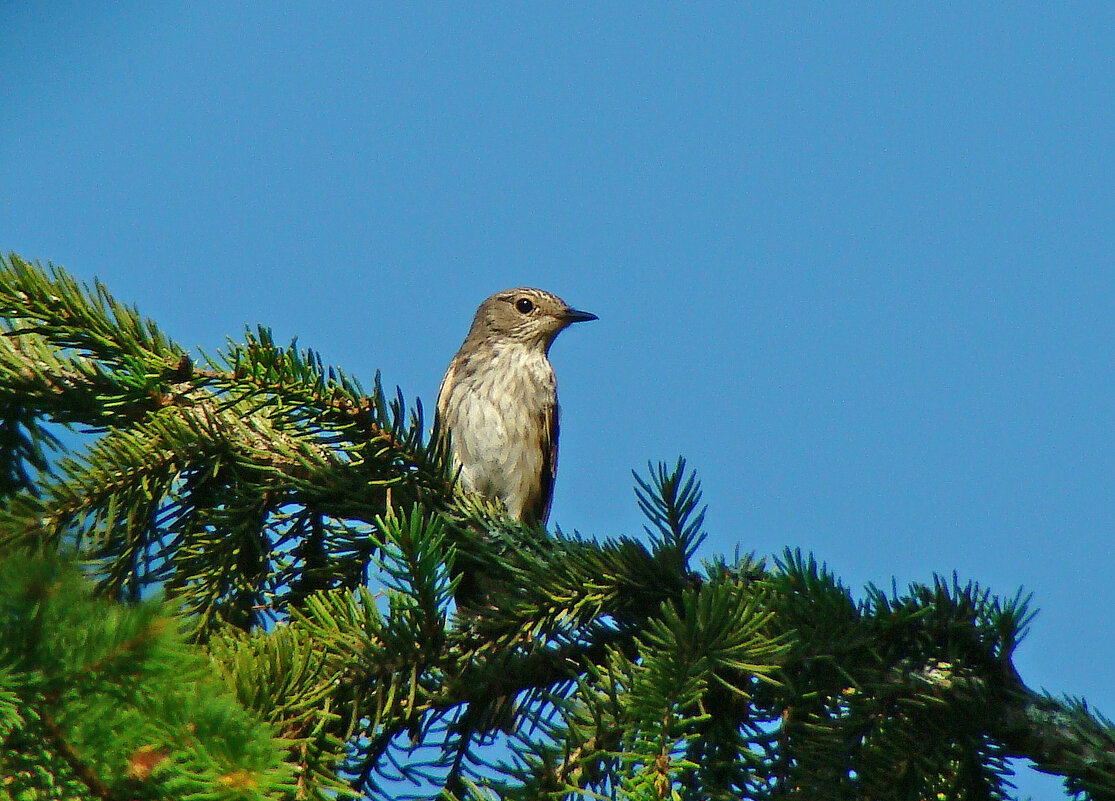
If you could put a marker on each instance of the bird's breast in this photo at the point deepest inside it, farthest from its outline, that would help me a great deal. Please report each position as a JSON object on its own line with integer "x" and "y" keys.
{"x": 496, "y": 411}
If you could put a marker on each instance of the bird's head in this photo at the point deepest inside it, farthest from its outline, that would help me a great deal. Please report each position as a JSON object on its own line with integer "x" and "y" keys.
{"x": 529, "y": 316}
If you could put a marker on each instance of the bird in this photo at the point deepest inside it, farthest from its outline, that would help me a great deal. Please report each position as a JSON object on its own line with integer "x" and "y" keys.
{"x": 498, "y": 401}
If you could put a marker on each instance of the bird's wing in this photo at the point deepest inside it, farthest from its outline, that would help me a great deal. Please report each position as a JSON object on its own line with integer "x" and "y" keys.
{"x": 549, "y": 447}
{"x": 443, "y": 390}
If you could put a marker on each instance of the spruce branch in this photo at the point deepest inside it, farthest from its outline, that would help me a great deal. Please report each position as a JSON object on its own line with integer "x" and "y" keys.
{"x": 182, "y": 444}
{"x": 1060, "y": 736}
{"x": 390, "y": 627}
{"x": 669, "y": 499}
{"x": 85, "y": 773}
{"x": 115, "y": 695}
{"x": 77, "y": 354}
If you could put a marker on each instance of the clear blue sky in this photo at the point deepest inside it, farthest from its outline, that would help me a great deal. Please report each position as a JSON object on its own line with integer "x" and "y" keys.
{"x": 854, "y": 262}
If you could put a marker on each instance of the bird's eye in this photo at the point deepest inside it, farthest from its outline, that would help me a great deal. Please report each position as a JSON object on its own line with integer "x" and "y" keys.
{"x": 524, "y": 305}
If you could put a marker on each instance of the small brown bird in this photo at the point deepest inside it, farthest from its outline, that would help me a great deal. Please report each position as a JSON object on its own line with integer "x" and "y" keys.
{"x": 498, "y": 401}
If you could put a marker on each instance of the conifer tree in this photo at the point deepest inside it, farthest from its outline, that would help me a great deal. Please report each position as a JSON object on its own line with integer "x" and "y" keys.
{"x": 241, "y": 576}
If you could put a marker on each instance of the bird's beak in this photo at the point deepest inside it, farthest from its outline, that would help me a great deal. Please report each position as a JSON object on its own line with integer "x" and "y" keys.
{"x": 578, "y": 316}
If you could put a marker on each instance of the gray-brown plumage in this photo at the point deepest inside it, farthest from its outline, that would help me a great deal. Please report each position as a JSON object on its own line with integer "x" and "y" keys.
{"x": 498, "y": 401}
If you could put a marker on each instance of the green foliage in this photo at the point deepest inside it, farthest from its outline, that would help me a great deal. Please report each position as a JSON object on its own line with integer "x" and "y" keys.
{"x": 347, "y": 622}
{"x": 669, "y": 501}
{"x": 228, "y": 482}
{"x": 98, "y": 699}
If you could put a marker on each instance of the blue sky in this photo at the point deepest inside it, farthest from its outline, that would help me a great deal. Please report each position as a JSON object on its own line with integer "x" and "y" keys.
{"x": 855, "y": 262}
